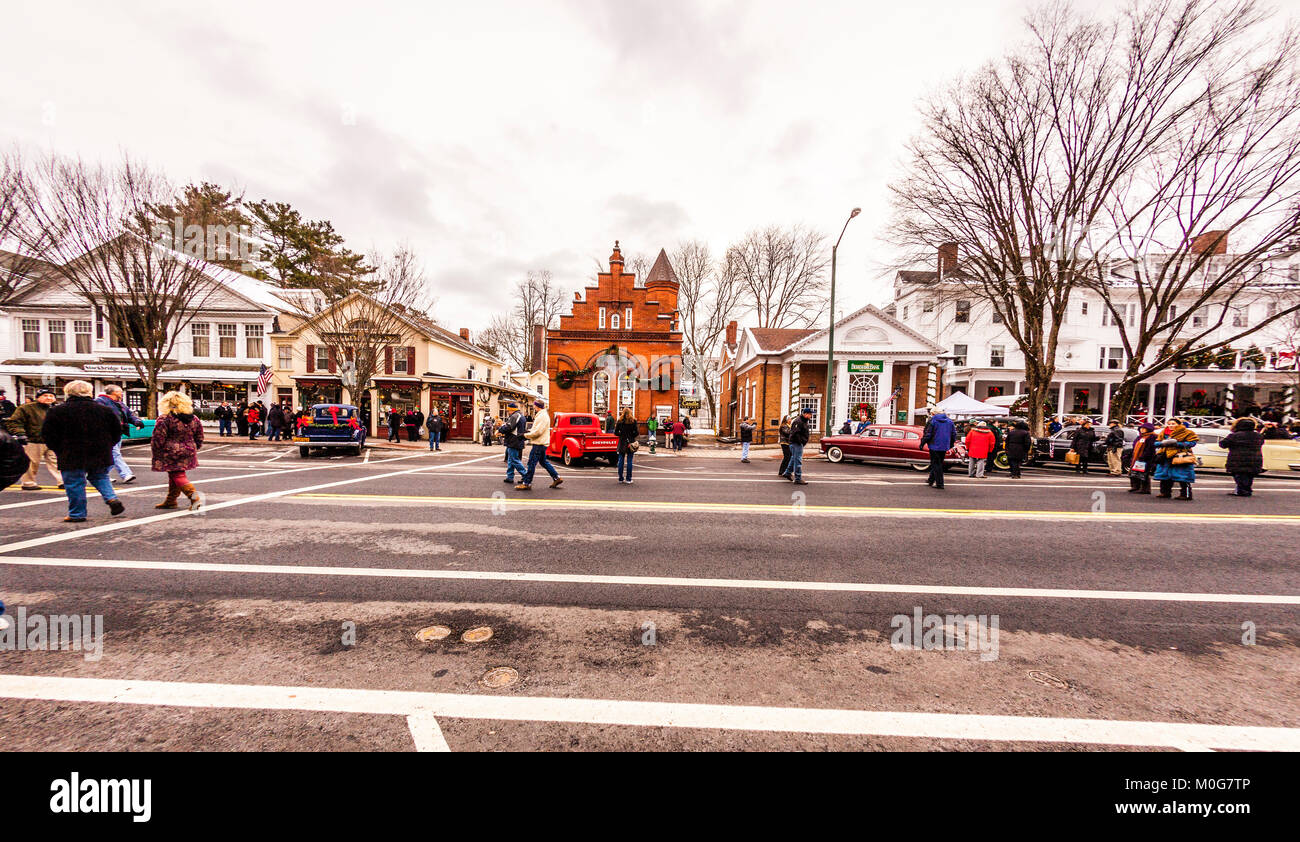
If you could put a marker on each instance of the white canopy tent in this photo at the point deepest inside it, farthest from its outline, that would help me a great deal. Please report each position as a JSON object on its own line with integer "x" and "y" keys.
{"x": 960, "y": 403}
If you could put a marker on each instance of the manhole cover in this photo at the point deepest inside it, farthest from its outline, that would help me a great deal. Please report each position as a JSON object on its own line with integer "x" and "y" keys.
{"x": 499, "y": 677}
{"x": 1048, "y": 680}
{"x": 477, "y": 635}
{"x": 429, "y": 633}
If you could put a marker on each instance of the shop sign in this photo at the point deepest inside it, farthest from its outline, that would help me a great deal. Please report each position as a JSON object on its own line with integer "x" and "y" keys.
{"x": 866, "y": 366}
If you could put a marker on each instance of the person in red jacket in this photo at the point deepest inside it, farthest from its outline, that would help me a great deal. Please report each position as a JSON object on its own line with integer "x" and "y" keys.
{"x": 979, "y": 446}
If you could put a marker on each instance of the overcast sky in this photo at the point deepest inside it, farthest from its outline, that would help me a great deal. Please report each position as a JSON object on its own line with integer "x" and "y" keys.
{"x": 498, "y": 137}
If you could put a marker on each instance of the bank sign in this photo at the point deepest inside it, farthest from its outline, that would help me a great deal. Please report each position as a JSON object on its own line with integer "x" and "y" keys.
{"x": 866, "y": 366}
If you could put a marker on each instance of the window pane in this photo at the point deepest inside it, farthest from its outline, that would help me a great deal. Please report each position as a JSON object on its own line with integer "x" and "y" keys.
{"x": 286, "y": 356}
{"x": 253, "y": 341}
{"x": 32, "y": 335}
{"x": 228, "y": 335}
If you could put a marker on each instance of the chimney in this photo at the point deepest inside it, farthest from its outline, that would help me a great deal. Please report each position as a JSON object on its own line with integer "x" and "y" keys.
{"x": 1212, "y": 242}
{"x": 539, "y": 347}
{"x": 464, "y": 333}
{"x": 947, "y": 259}
{"x": 731, "y": 334}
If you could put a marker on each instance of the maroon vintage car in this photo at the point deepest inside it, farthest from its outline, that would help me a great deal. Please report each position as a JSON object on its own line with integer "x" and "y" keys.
{"x": 890, "y": 444}
{"x": 579, "y": 435}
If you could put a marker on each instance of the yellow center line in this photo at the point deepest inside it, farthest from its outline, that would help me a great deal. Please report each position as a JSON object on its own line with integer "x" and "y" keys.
{"x": 788, "y": 508}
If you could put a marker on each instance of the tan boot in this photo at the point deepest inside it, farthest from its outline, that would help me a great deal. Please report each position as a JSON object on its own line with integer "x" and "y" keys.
{"x": 170, "y": 502}
{"x": 196, "y": 497}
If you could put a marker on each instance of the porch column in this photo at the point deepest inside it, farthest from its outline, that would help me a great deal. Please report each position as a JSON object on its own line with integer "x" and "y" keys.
{"x": 911, "y": 391}
{"x": 1170, "y": 399}
{"x": 375, "y": 412}
{"x": 1060, "y": 401}
{"x": 970, "y": 384}
{"x": 1105, "y": 404}
{"x": 886, "y": 389}
{"x": 841, "y": 396}
{"x": 931, "y": 387}
{"x": 1230, "y": 400}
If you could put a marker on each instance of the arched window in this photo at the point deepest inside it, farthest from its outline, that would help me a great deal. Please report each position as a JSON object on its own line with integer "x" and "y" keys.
{"x": 600, "y": 391}
{"x": 613, "y": 322}
{"x": 626, "y": 390}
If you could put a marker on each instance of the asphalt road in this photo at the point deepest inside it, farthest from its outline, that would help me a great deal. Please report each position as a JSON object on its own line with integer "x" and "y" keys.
{"x": 707, "y": 582}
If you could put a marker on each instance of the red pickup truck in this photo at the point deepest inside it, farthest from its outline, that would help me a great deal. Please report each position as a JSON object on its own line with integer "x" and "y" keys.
{"x": 579, "y": 435}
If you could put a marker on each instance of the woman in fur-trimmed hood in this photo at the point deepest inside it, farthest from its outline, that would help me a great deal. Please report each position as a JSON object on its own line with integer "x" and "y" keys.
{"x": 1178, "y": 442}
{"x": 177, "y": 437}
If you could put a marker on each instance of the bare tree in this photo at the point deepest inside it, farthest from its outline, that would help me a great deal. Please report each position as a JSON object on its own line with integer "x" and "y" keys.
{"x": 1023, "y": 161}
{"x": 782, "y": 271}
{"x": 15, "y": 265}
{"x": 707, "y": 299}
{"x": 538, "y": 301}
{"x": 94, "y": 228}
{"x": 360, "y": 331}
{"x": 1184, "y": 239}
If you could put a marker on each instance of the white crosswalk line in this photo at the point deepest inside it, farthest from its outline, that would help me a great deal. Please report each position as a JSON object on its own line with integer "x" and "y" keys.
{"x": 934, "y": 726}
{"x": 426, "y": 733}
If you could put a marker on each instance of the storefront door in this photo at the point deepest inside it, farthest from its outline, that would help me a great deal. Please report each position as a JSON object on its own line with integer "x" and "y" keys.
{"x": 462, "y": 417}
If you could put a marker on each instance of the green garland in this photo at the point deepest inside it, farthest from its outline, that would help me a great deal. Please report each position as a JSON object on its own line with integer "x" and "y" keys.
{"x": 566, "y": 379}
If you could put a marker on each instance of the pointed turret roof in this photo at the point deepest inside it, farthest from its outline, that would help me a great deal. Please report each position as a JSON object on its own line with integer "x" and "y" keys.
{"x": 662, "y": 271}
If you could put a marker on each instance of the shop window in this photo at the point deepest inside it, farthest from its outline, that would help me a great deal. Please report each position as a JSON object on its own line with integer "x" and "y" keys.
{"x": 81, "y": 330}
{"x": 600, "y": 391}
{"x": 200, "y": 339}
{"x": 31, "y": 336}
{"x": 58, "y": 331}
{"x": 228, "y": 337}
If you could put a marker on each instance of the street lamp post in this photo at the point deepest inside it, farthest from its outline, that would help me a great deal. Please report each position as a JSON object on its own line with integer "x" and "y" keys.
{"x": 830, "y": 347}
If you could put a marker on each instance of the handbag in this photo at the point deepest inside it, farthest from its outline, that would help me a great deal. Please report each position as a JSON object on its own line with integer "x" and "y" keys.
{"x": 1139, "y": 467}
{"x": 1071, "y": 457}
{"x": 632, "y": 446}
{"x": 1184, "y": 458}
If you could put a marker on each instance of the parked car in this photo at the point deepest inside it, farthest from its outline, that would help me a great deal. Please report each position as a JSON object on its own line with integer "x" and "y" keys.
{"x": 1282, "y": 455}
{"x": 333, "y": 425}
{"x": 135, "y": 435}
{"x": 1051, "y": 450}
{"x": 888, "y": 444}
{"x": 580, "y": 435}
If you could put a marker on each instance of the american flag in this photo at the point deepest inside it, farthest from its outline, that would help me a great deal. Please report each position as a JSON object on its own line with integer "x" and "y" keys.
{"x": 263, "y": 379}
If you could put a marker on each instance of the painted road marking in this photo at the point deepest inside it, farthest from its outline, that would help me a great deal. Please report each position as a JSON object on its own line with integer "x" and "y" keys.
{"x": 647, "y": 581}
{"x": 14, "y": 546}
{"x": 261, "y": 472}
{"x": 788, "y": 509}
{"x": 426, "y": 733}
{"x": 933, "y": 726}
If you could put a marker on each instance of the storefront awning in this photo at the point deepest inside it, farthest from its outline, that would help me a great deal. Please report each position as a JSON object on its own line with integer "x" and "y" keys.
{"x": 214, "y": 374}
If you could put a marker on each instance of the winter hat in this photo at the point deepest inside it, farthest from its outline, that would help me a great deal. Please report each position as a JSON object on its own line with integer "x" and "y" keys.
{"x": 807, "y": 410}
{"x": 1147, "y": 428}
{"x": 539, "y": 403}
{"x": 40, "y": 392}
{"x": 512, "y": 403}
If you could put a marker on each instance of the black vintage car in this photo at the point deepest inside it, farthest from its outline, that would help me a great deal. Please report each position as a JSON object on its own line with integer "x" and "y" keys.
{"x": 1051, "y": 450}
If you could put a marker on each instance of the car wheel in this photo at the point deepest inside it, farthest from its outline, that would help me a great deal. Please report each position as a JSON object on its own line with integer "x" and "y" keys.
{"x": 303, "y": 452}
{"x": 613, "y": 460}
{"x": 567, "y": 458}
{"x": 834, "y": 454}
{"x": 920, "y": 466}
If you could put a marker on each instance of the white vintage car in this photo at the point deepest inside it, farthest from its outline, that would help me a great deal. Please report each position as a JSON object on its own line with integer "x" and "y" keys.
{"x": 1281, "y": 455}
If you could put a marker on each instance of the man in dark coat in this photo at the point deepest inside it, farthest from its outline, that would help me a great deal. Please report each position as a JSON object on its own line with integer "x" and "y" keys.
{"x": 1017, "y": 446}
{"x": 6, "y": 406}
{"x": 419, "y": 422}
{"x": 13, "y": 460}
{"x": 1081, "y": 443}
{"x": 275, "y": 423}
{"x": 395, "y": 421}
{"x": 1245, "y": 461}
{"x": 939, "y": 435}
{"x": 800, "y": 432}
{"x": 241, "y": 418}
{"x": 225, "y": 414}
{"x": 1115, "y": 449}
{"x": 82, "y": 433}
{"x": 436, "y": 428}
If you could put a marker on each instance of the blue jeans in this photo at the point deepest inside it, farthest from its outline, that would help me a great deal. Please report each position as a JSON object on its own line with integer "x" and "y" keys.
{"x": 515, "y": 462}
{"x": 744, "y": 450}
{"x": 123, "y": 469}
{"x": 796, "y": 462}
{"x": 74, "y": 484}
{"x": 625, "y": 459}
{"x": 223, "y": 426}
{"x": 536, "y": 456}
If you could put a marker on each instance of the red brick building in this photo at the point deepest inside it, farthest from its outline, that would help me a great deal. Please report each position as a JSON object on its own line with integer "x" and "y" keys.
{"x": 620, "y": 346}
